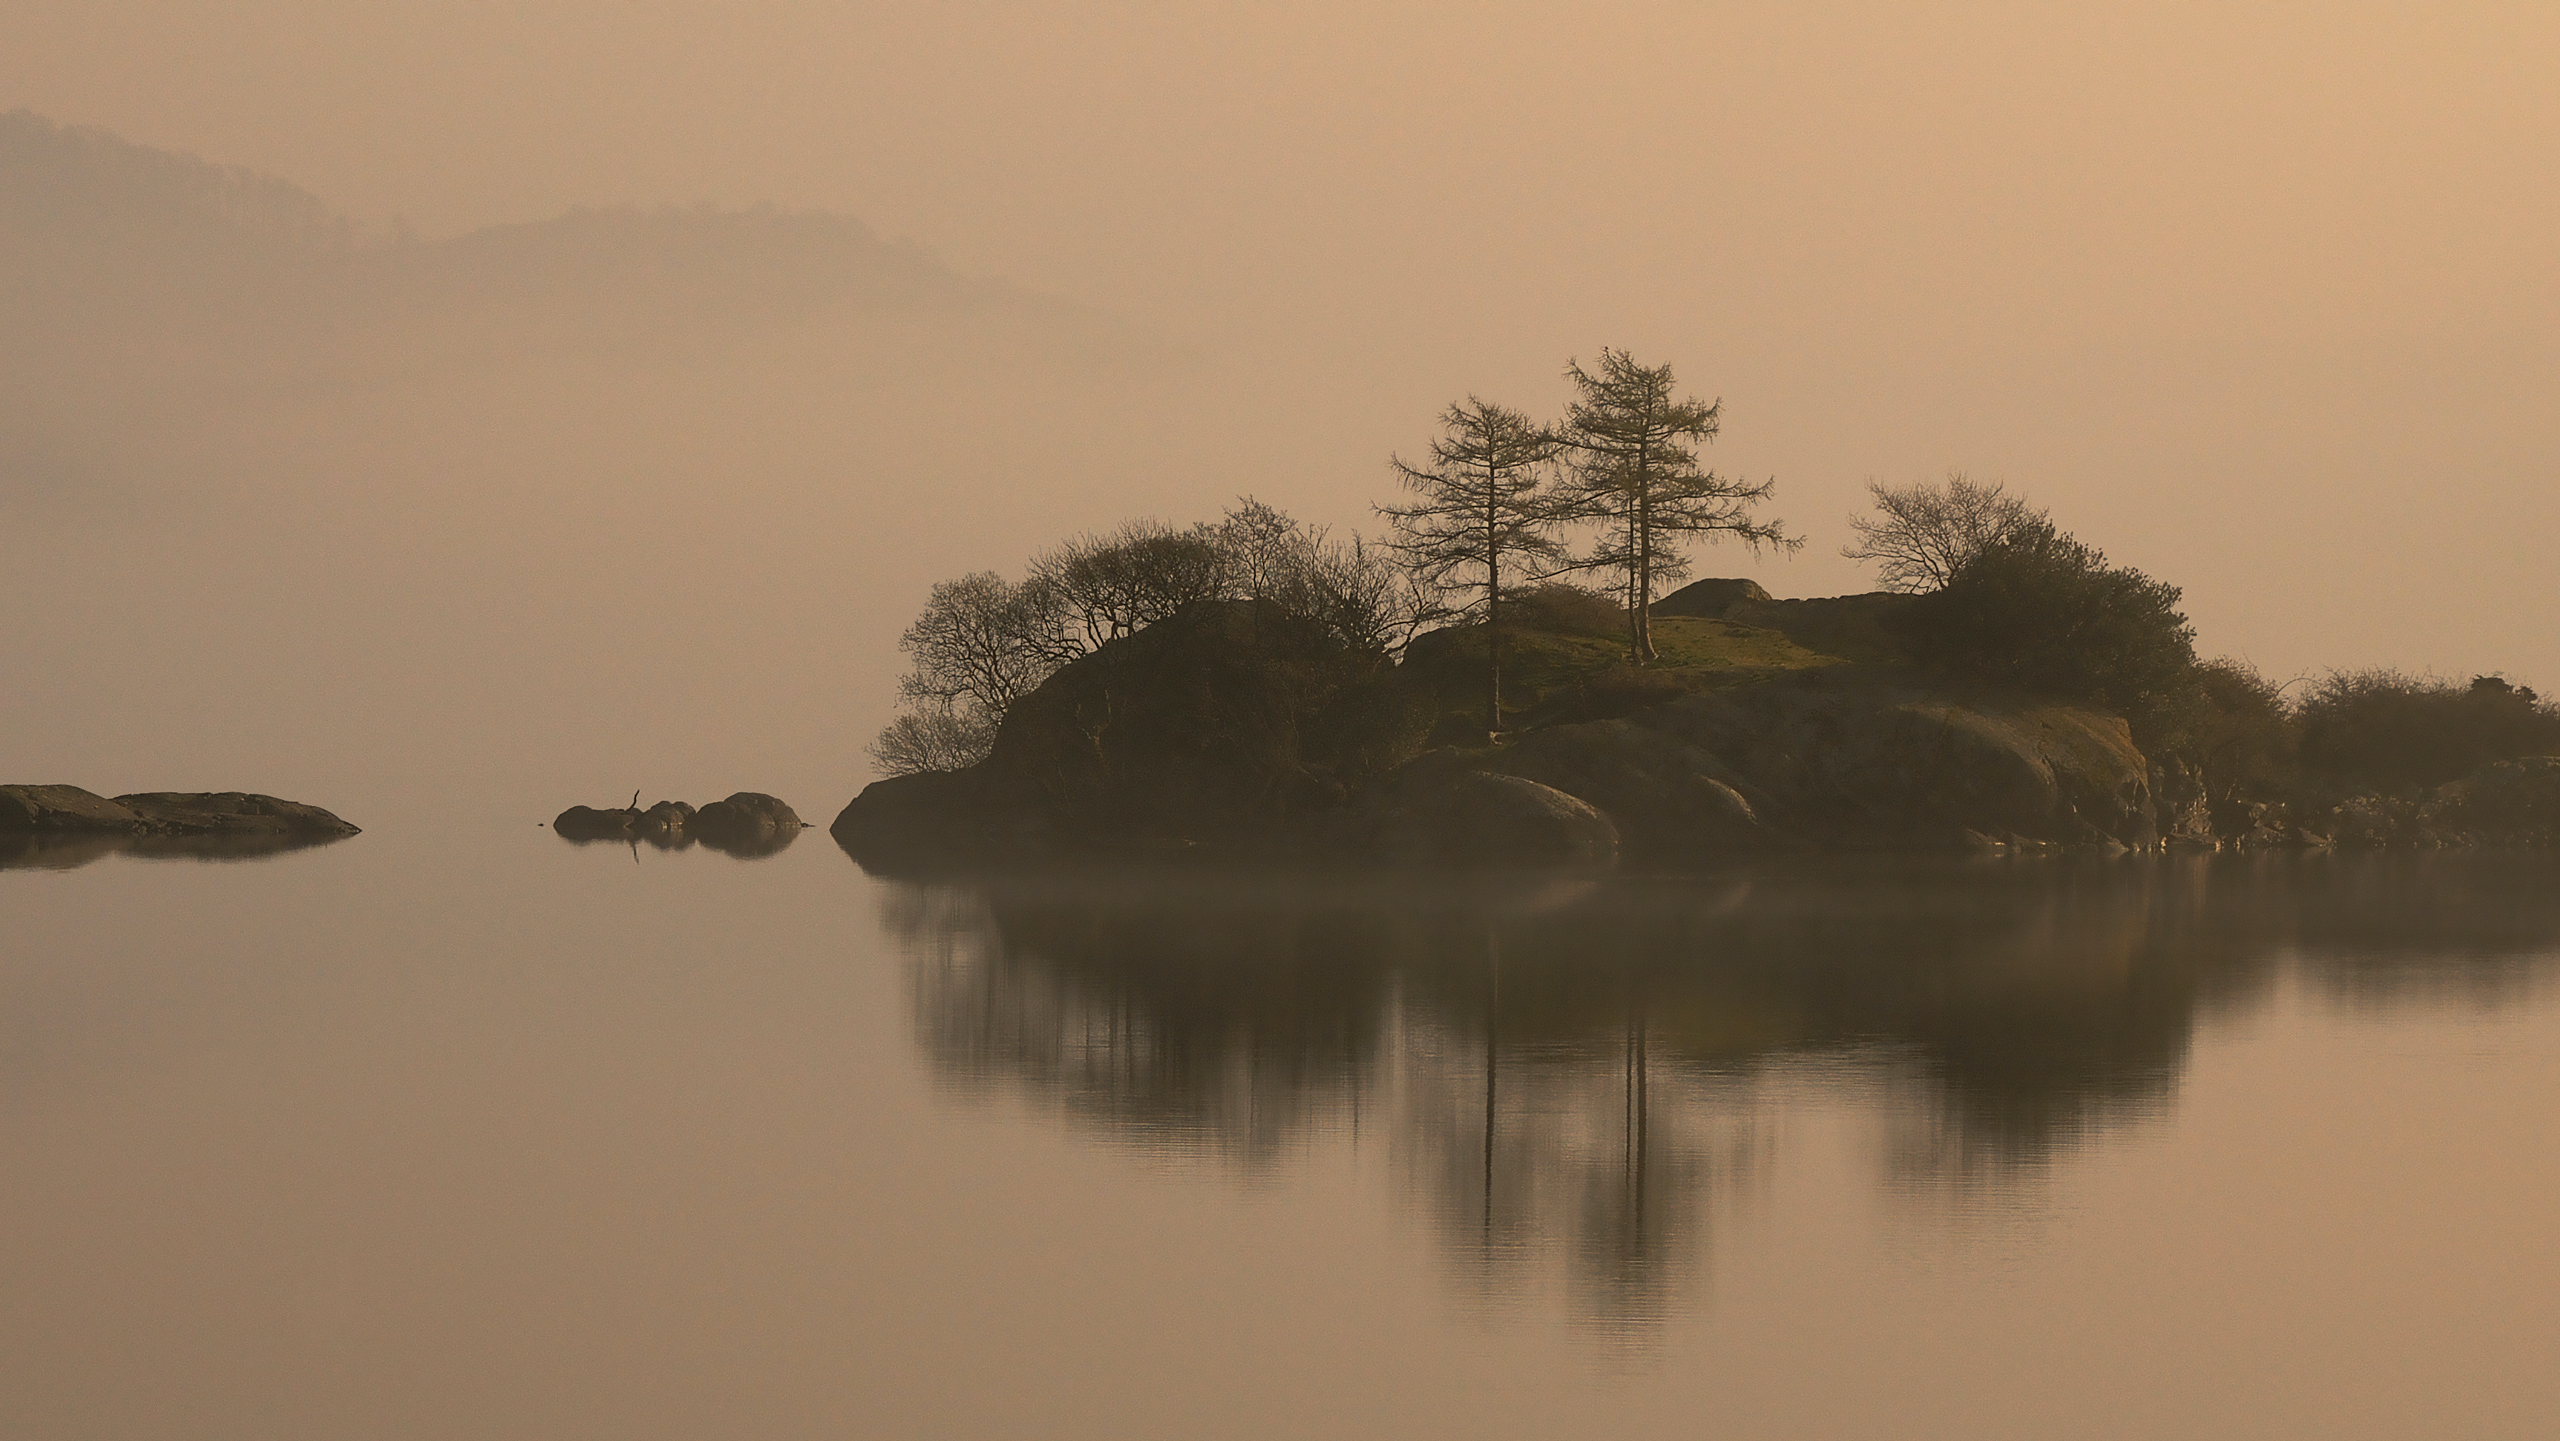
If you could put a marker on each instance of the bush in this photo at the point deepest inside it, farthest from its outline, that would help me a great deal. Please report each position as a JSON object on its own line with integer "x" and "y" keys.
{"x": 2046, "y": 613}
{"x": 2386, "y": 731}
{"x": 1561, "y": 609}
{"x": 2233, "y": 726}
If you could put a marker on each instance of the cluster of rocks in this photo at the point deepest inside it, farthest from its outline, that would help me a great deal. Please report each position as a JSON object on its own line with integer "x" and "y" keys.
{"x": 748, "y": 823}
{"x": 1818, "y": 764}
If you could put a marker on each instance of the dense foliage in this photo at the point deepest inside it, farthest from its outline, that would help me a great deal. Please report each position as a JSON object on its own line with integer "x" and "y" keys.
{"x": 2044, "y": 612}
{"x": 2385, "y": 731}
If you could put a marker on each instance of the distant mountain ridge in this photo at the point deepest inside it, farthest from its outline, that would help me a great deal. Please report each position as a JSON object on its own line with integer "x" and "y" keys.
{"x": 89, "y": 217}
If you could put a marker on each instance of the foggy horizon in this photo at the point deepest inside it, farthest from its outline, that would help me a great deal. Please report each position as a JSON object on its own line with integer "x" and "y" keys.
{"x": 2252, "y": 306}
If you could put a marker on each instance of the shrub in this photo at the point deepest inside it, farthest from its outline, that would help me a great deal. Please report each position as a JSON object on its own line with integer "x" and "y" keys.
{"x": 2044, "y": 612}
{"x": 2387, "y": 731}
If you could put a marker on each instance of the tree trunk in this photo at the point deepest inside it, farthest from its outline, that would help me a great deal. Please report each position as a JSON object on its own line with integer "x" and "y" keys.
{"x": 1492, "y": 617}
{"x": 1641, "y": 612}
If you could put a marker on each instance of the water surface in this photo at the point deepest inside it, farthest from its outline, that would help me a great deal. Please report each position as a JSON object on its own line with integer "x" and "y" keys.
{"x": 445, "y": 1132}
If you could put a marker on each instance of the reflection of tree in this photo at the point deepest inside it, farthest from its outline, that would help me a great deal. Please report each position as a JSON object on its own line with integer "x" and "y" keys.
{"x": 1567, "y": 1078}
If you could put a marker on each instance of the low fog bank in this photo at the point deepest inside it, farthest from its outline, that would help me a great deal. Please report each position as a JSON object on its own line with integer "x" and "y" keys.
{"x": 535, "y": 515}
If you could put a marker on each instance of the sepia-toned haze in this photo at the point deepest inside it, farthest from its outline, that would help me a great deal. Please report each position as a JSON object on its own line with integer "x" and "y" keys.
{"x": 471, "y": 504}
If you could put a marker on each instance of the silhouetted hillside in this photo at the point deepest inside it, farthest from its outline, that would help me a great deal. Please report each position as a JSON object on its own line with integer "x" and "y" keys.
{"x": 89, "y": 220}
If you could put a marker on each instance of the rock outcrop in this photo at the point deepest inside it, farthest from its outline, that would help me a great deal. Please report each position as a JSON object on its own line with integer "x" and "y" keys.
{"x": 1448, "y": 815}
{"x": 1897, "y": 766}
{"x": 1710, "y": 598}
{"x": 68, "y": 810}
{"x": 1235, "y": 725}
{"x": 1664, "y": 796}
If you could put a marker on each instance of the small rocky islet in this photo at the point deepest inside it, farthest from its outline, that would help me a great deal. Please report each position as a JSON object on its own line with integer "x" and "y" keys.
{"x": 57, "y": 827}
{"x": 747, "y": 823}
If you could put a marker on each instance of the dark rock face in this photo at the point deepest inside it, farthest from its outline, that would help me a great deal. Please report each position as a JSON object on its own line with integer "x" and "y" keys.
{"x": 1887, "y": 765}
{"x": 1233, "y": 724}
{"x": 1228, "y": 722}
{"x": 936, "y": 818}
{"x": 69, "y": 810}
{"x": 1709, "y": 599}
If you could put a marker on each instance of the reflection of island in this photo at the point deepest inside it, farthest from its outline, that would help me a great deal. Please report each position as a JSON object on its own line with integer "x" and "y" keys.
{"x": 69, "y": 852}
{"x": 1568, "y": 1073}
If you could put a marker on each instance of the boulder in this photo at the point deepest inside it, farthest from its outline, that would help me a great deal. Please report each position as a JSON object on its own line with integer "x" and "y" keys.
{"x": 749, "y": 823}
{"x": 666, "y": 820}
{"x": 1709, "y": 598}
{"x": 1448, "y": 815}
{"x": 1664, "y": 795}
{"x": 586, "y": 823}
{"x": 1890, "y": 765}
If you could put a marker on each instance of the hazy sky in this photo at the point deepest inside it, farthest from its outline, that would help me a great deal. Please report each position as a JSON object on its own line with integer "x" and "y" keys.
{"x": 2258, "y": 296}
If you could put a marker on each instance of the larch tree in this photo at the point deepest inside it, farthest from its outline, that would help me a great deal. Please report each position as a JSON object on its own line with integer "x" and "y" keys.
{"x": 1480, "y": 520}
{"x": 1634, "y": 473}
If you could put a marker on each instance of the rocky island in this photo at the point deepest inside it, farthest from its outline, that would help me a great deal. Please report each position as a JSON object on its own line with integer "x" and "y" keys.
{"x": 2033, "y": 699}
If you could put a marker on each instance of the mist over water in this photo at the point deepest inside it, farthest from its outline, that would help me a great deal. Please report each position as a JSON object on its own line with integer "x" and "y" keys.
{"x": 446, "y": 416}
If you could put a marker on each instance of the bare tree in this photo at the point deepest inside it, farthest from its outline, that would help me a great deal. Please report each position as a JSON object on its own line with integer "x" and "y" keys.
{"x": 982, "y": 643}
{"x": 1923, "y": 533}
{"x": 1635, "y": 473}
{"x": 933, "y": 738}
{"x": 1102, "y": 587}
{"x": 1480, "y": 521}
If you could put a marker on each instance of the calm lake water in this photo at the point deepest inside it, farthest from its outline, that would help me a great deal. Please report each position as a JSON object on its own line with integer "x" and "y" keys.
{"x": 445, "y": 1133}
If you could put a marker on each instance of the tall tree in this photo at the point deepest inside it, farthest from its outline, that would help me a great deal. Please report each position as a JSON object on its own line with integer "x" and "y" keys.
{"x": 1480, "y": 520}
{"x": 1635, "y": 474}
